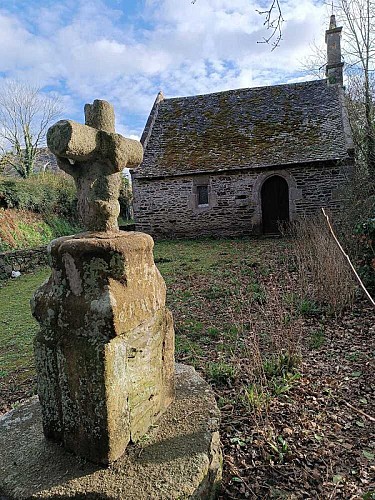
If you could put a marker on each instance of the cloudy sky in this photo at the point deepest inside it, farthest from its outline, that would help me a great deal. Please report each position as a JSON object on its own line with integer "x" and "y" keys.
{"x": 125, "y": 51}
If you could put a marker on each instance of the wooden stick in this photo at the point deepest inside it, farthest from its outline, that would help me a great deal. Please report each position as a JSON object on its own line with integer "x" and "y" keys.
{"x": 348, "y": 259}
{"x": 372, "y": 419}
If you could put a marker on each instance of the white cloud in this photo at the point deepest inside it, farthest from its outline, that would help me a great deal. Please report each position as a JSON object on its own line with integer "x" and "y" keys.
{"x": 89, "y": 50}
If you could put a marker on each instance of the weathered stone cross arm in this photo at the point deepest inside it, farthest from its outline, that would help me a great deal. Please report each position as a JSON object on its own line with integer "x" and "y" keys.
{"x": 94, "y": 155}
{"x": 81, "y": 143}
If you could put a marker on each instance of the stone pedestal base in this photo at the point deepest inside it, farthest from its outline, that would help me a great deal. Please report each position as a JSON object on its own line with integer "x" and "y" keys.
{"x": 104, "y": 354}
{"x": 179, "y": 458}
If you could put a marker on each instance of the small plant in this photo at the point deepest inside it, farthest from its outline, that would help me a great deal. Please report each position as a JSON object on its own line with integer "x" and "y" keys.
{"x": 279, "y": 449}
{"x": 255, "y": 397}
{"x": 281, "y": 364}
{"x": 239, "y": 441}
{"x": 225, "y": 401}
{"x": 214, "y": 292}
{"x": 283, "y": 384}
{"x": 317, "y": 338}
{"x": 231, "y": 332}
{"x": 353, "y": 356}
{"x": 192, "y": 328}
{"x": 213, "y": 332}
{"x": 186, "y": 347}
{"x": 307, "y": 307}
{"x": 257, "y": 293}
{"x": 221, "y": 372}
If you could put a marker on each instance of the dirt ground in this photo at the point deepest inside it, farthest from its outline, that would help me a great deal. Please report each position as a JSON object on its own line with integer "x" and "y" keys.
{"x": 327, "y": 420}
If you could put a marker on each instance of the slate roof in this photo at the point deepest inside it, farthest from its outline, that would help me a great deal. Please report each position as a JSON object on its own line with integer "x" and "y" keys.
{"x": 245, "y": 128}
{"x": 45, "y": 160}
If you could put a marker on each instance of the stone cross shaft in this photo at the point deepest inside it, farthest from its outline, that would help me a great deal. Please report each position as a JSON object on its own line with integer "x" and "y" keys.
{"x": 94, "y": 155}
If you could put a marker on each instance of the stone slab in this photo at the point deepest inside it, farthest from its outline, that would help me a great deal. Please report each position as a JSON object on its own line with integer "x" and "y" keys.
{"x": 179, "y": 458}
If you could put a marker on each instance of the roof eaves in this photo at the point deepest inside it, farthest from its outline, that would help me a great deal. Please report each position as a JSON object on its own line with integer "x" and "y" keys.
{"x": 162, "y": 175}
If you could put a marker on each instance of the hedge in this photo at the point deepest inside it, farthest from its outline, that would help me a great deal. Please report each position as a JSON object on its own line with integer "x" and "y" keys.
{"x": 42, "y": 193}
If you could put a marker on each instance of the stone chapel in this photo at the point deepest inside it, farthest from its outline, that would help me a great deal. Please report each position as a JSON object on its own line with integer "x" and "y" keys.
{"x": 241, "y": 161}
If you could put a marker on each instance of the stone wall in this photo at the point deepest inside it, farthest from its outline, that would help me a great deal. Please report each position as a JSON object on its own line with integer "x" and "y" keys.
{"x": 168, "y": 207}
{"x": 22, "y": 260}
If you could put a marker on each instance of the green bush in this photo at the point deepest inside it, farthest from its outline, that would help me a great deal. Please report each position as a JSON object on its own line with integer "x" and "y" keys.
{"x": 42, "y": 193}
{"x": 125, "y": 200}
{"x": 365, "y": 236}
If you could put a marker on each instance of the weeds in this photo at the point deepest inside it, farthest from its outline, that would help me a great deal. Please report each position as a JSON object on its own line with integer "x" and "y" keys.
{"x": 306, "y": 307}
{"x": 317, "y": 338}
{"x": 22, "y": 229}
{"x": 221, "y": 372}
{"x": 214, "y": 292}
{"x": 187, "y": 347}
{"x": 213, "y": 332}
{"x": 255, "y": 397}
{"x": 279, "y": 449}
{"x": 322, "y": 269}
{"x": 283, "y": 384}
{"x": 257, "y": 293}
{"x": 280, "y": 364}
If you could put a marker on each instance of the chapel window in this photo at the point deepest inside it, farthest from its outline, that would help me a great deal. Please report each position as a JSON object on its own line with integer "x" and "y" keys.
{"x": 202, "y": 192}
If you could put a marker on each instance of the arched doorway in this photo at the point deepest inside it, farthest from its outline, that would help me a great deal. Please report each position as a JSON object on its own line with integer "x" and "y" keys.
{"x": 275, "y": 204}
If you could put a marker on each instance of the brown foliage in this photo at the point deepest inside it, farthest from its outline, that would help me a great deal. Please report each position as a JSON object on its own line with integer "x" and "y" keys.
{"x": 324, "y": 273}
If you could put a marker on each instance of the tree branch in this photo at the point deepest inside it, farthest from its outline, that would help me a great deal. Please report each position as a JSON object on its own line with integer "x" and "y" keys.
{"x": 273, "y": 22}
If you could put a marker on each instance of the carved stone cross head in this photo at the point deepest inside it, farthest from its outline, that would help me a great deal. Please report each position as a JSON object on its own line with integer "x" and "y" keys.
{"x": 94, "y": 155}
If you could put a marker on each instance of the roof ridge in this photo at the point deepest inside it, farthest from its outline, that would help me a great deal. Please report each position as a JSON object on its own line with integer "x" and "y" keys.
{"x": 231, "y": 91}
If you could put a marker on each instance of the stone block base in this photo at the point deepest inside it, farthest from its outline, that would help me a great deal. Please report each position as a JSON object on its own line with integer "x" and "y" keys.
{"x": 179, "y": 458}
{"x": 104, "y": 354}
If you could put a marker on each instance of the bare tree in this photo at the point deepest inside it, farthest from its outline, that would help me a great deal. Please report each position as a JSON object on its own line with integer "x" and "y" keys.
{"x": 315, "y": 62}
{"x": 358, "y": 20}
{"x": 359, "y": 44}
{"x": 25, "y": 114}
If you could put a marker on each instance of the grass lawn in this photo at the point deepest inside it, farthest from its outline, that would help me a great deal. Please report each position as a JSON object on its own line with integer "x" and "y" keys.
{"x": 18, "y": 327}
{"x": 293, "y": 383}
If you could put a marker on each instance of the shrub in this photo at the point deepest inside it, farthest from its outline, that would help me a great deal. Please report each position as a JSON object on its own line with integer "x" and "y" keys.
{"x": 357, "y": 224}
{"x": 324, "y": 274}
{"x": 43, "y": 193}
{"x": 365, "y": 238}
{"x": 126, "y": 199}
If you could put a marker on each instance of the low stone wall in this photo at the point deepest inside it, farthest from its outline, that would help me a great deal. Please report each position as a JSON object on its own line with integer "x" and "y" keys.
{"x": 22, "y": 260}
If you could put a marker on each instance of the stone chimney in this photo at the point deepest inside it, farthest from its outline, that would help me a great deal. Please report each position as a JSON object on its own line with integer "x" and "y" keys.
{"x": 334, "y": 68}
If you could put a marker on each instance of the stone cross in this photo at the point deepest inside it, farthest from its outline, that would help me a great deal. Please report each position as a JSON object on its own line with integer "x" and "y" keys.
{"x": 94, "y": 155}
{"x": 104, "y": 354}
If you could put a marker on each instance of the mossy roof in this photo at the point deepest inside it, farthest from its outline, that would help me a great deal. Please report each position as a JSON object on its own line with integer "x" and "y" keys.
{"x": 245, "y": 128}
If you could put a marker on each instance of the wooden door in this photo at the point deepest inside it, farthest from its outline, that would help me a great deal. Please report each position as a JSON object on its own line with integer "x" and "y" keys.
{"x": 275, "y": 204}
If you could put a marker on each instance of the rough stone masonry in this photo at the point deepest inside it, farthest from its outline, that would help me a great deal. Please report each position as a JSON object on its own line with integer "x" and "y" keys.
{"x": 105, "y": 350}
